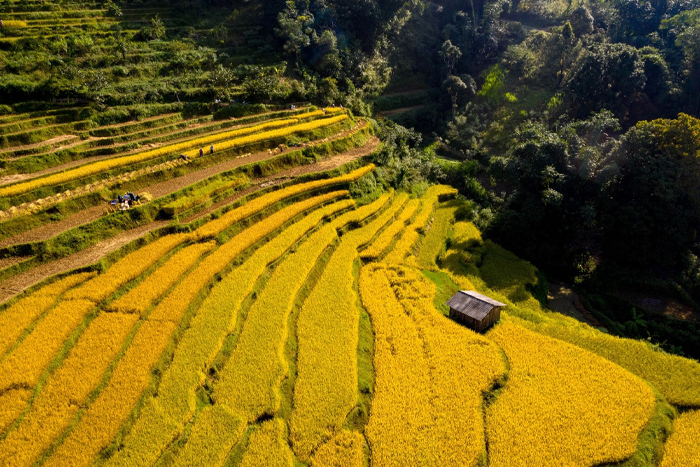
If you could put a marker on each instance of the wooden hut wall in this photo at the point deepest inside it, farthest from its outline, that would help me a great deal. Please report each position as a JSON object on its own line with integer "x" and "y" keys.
{"x": 490, "y": 319}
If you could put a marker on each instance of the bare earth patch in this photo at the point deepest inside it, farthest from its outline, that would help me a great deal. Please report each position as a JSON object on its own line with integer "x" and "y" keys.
{"x": 160, "y": 189}
{"x": 16, "y": 284}
{"x": 566, "y": 301}
{"x": 389, "y": 113}
{"x": 669, "y": 307}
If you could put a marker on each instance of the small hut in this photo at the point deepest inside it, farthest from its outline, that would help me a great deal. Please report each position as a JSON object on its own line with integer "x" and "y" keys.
{"x": 474, "y": 310}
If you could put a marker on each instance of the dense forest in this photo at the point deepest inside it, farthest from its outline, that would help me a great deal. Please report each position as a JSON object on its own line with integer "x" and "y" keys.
{"x": 572, "y": 126}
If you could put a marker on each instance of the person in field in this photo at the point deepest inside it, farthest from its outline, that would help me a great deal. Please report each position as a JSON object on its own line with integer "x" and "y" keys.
{"x": 201, "y": 152}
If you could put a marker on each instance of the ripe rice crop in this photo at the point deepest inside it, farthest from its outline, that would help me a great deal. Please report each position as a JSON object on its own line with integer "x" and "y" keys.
{"x": 200, "y": 195}
{"x": 215, "y": 426}
{"x": 176, "y": 394}
{"x": 14, "y": 24}
{"x": 401, "y": 410}
{"x": 15, "y": 319}
{"x": 422, "y": 356}
{"x": 682, "y": 448}
{"x": 268, "y": 446}
{"x": 434, "y": 240}
{"x": 250, "y": 380}
{"x": 57, "y": 288}
{"x": 343, "y": 450}
{"x": 128, "y": 268}
{"x": 676, "y": 378}
{"x": 327, "y": 335}
{"x": 110, "y": 410}
{"x": 175, "y": 304}
{"x": 463, "y": 365}
{"x": 27, "y": 361}
{"x": 66, "y": 390}
{"x": 109, "y": 164}
{"x": 313, "y": 113}
{"x": 563, "y": 405}
{"x": 21, "y": 369}
{"x": 249, "y": 383}
{"x": 140, "y": 299}
{"x": 116, "y": 400}
{"x": 166, "y": 414}
{"x": 12, "y": 403}
{"x": 410, "y": 236}
{"x": 278, "y": 133}
{"x": 215, "y": 227}
{"x": 375, "y": 249}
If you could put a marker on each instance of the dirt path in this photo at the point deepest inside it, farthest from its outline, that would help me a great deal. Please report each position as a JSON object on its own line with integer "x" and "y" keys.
{"x": 156, "y": 190}
{"x": 16, "y": 284}
{"x": 389, "y": 113}
{"x": 656, "y": 303}
{"x": 52, "y": 229}
{"x": 280, "y": 177}
{"x": 55, "y": 140}
{"x": 564, "y": 300}
{"x": 89, "y": 160}
{"x": 11, "y": 261}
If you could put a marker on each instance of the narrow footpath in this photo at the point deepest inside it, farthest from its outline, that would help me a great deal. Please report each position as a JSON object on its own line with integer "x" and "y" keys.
{"x": 17, "y": 284}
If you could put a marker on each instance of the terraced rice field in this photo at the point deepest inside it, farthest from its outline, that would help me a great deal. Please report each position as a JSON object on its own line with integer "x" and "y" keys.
{"x": 260, "y": 337}
{"x": 250, "y": 311}
{"x": 46, "y": 205}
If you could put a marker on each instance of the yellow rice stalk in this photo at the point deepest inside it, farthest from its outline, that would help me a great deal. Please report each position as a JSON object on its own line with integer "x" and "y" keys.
{"x": 682, "y": 448}
{"x": 409, "y": 237}
{"x": 140, "y": 299}
{"x": 563, "y": 405}
{"x": 126, "y": 269}
{"x": 327, "y": 335}
{"x": 437, "y": 235}
{"x": 116, "y": 401}
{"x": 111, "y": 408}
{"x": 164, "y": 416}
{"x": 18, "y": 316}
{"x": 401, "y": 410}
{"x": 375, "y": 249}
{"x": 109, "y": 164}
{"x": 21, "y": 369}
{"x": 437, "y": 361}
{"x": 215, "y": 227}
{"x": 175, "y": 304}
{"x": 14, "y": 24}
{"x": 66, "y": 390}
{"x": 343, "y": 450}
{"x": 268, "y": 446}
{"x": 677, "y": 378}
{"x": 215, "y": 426}
{"x": 249, "y": 383}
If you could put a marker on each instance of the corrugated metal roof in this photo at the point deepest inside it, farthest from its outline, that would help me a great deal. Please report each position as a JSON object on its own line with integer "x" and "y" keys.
{"x": 473, "y": 304}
